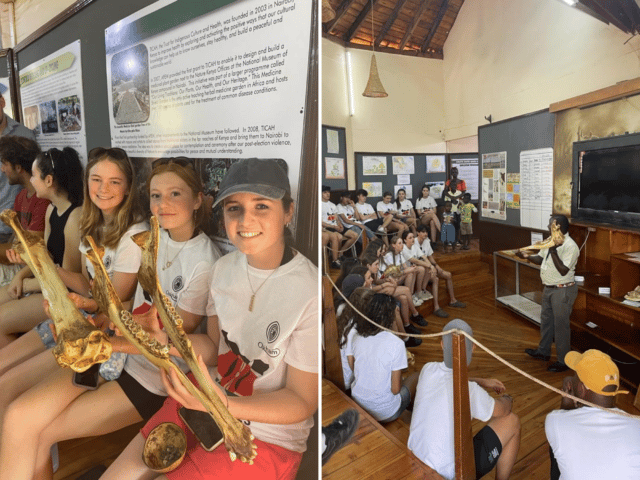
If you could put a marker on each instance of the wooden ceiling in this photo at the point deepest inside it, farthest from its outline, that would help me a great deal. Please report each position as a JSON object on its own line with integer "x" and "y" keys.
{"x": 409, "y": 27}
{"x": 421, "y": 27}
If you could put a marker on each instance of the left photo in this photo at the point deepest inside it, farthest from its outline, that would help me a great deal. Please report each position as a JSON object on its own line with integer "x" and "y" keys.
{"x": 159, "y": 311}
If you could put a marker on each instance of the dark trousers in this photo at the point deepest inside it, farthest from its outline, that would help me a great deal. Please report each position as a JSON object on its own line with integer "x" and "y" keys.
{"x": 555, "y": 323}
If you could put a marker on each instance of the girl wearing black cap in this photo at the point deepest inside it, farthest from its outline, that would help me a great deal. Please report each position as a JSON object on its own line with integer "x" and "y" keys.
{"x": 261, "y": 341}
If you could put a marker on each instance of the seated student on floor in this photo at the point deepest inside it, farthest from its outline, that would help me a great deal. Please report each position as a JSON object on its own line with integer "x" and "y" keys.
{"x": 410, "y": 276}
{"x": 387, "y": 209}
{"x": 351, "y": 218}
{"x": 425, "y": 247}
{"x": 427, "y": 207}
{"x": 402, "y": 294}
{"x": 333, "y": 228}
{"x": 378, "y": 386}
{"x": 405, "y": 211}
{"x": 586, "y": 442}
{"x": 431, "y": 433}
{"x": 57, "y": 178}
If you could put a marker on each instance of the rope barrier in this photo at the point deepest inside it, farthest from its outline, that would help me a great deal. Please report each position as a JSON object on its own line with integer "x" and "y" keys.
{"x": 494, "y": 355}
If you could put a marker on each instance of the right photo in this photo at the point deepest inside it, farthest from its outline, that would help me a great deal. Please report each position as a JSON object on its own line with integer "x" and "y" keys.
{"x": 480, "y": 234}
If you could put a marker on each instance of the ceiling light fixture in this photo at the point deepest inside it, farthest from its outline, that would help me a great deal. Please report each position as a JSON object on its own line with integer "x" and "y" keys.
{"x": 374, "y": 88}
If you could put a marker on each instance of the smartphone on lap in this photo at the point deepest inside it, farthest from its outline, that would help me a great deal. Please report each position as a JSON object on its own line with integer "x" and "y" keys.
{"x": 203, "y": 427}
{"x": 87, "y": 379}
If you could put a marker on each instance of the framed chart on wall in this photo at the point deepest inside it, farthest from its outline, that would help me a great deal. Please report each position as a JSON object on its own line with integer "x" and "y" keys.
{"x": 334, "y": 158}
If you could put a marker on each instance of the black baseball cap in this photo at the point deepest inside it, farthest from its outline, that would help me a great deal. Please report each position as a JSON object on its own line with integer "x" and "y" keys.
{"x": 264, "y": 177}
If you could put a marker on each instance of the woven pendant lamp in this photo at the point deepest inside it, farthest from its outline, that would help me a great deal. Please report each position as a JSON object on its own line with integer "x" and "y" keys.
{"x": 374, "y": 88}
{"x": 328, "y": 13}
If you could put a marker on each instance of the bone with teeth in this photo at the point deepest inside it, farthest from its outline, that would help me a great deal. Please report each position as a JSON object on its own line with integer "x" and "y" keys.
{"x": 79, "y": 344}
{"x": 556, "y": 239}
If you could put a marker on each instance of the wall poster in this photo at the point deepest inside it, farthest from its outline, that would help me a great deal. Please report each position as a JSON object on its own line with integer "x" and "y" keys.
{"x": 494, "y": 172}
{"x": 374, "y": 189}
{"x": 223, "y": 85}
{"x": 513, "y": 190}
{"x": 53, "y": 102}
{"x": 374, "y": 165}
{"x": 436, "y": 164}
{"x": 5, "y": 90}
{"x": 334, "y": 168}
{"x": 536, "y": 190}
{"x": 403, "y": 165}
{"x": 468, "y": 170}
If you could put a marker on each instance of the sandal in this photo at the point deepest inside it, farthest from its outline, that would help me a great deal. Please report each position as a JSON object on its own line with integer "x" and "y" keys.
{"x": 458, "y": 304}
{"x": 441, "y": 313}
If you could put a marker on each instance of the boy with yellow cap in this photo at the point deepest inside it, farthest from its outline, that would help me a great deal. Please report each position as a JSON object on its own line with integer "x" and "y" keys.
{"x": 587, "y": 442}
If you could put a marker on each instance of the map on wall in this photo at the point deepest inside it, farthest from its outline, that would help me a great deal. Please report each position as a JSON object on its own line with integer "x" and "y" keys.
{"x": 403, "y": 165}
{"x": 374, "y": 189}
{"x": 436, "y": 164}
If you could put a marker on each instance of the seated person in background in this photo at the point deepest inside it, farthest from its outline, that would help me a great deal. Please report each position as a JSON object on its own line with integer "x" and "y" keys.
{"x": 405, "y": 212}
{"x": 431, "y": 433}
{"x": 351, "y": 218}
{"x": 448, "y": 235}
{"x": 17, "y": 155}
{"x": 412, "y": 276}
{"x": 387, "y": 209}
{"x": 466, "y": 208}
{"x": 332, "y": 229}
{"x": 425, "y": 245}
{"x": 377, "y": 358}
{"x": 586, "y": 442}
{"x": 426, "y": 207}
{"x": 368, "y": 215}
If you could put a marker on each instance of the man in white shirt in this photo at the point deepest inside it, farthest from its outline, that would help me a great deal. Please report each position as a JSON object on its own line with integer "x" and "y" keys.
{"x": 587, "y": 442}
{"x": 431, "y": 434}
{"x": 351, "y": 218}
{"x": 557, "y": 269}
{"x": 332, "y": 229}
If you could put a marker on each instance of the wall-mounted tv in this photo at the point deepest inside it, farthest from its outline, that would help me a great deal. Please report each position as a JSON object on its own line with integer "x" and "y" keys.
{"x": 606, "y": 180}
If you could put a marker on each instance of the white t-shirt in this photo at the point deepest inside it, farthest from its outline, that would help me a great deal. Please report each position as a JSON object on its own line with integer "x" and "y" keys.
{"x": 125, "y": 258}
{"x": 431, "y": 433}
{"x": 428, "y": 202}
{"x": 414, "y": 252}
{"x": 329, "y": 212}
{"x": 405, "y": 207}
{"x": 365, "y": 209}
{"x": 383, "y": 208}
{"x": 186, "y": 282}
{"x": 390, "y": 259}
{"x": 426, "y": 247}
{"x": 348, "y": 211}
{"x": 375, "y": 358}
{"x": 257, "y": 347}
{"x": 345, "y": 351}
{"x": 590, "y": 443}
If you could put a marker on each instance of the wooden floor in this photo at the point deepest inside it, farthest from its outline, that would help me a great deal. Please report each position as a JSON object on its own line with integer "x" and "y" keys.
{"x": 507, "y": 334}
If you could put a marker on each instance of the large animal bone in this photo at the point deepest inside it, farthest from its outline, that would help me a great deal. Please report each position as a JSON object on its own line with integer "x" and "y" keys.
{"x": 238, "y": 438}
{"x": 80, "y": 344}
{"x": 556, "y": 239}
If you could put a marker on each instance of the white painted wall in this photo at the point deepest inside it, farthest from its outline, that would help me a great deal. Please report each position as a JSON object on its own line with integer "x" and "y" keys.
{"x": 32, "y": 14}
{"x": 506, "y": 58}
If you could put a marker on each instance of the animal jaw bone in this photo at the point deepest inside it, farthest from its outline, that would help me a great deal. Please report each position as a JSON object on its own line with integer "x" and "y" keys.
{"x": 238, "y": 438}
{"x": 393, "y": 271}
{"x": 80, "y": 344}
{"x": 556, "y": 239}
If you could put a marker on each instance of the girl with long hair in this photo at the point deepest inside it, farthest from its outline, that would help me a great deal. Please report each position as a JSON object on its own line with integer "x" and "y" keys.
{"x": 57, "y": 177}
{"x": 427, "y": 210}
{"x": 405, "y": 213}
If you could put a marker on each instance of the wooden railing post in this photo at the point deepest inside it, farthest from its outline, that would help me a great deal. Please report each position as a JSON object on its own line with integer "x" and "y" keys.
{"x": 332, "y": 361}
{"x": 465, "y": 463}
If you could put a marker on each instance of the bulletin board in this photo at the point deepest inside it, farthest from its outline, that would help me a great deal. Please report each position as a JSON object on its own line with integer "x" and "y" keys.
{"x": 386, "y": 172}
{"x": 334, "y": 157}
{"x": 512, "y": 139}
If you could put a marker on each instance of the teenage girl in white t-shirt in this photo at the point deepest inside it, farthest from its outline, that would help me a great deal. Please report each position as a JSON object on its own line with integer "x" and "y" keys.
{"x": 377, "y": 359}
{"x": 427, "y": 210}
{"x": 262, "y": 351}
{"x": 67, "y": 411}
{"x": 405, "y": 210}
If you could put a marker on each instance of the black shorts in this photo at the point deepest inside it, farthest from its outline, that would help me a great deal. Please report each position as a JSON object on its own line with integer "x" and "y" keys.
{"x": 486, "y": 450}
{"x": 145, "y": 402}
{"x": 331, "y": 229}
{"x": 374, "y": 223}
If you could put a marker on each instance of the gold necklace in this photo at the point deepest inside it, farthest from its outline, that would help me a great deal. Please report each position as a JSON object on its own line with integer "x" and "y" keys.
{"x": 170, "y": 262}
{"x": 253, "y": 296}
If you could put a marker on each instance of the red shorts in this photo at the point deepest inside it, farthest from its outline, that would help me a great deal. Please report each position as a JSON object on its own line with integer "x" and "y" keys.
{"x": 272, "y": 461}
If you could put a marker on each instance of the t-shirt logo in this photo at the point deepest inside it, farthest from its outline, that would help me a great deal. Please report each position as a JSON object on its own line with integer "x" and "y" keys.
{"x": 107, "y": 262}
{"x": 331, "y": 217}
{"x": 273, "y": 331}
{"x": 237, "y": 372}
{"x": 177, "y": 283}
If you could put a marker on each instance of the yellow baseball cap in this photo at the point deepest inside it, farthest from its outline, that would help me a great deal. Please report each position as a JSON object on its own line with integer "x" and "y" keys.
{"x": 596, "y": 370}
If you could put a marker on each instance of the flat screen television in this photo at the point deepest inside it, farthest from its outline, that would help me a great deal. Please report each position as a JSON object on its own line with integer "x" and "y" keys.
{"x": 606, "y": 180}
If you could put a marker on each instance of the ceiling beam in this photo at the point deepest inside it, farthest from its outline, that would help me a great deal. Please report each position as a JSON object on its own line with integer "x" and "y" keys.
{"x": 435, "y": 25}
{"x": 358, "y": 21}
{"x": 604, "y": 12}
{"x": 389, "y": 22}
{"x": 340, "y": 11}
{"x": 632, "y": 10}
{"x": 414, "y": 23}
